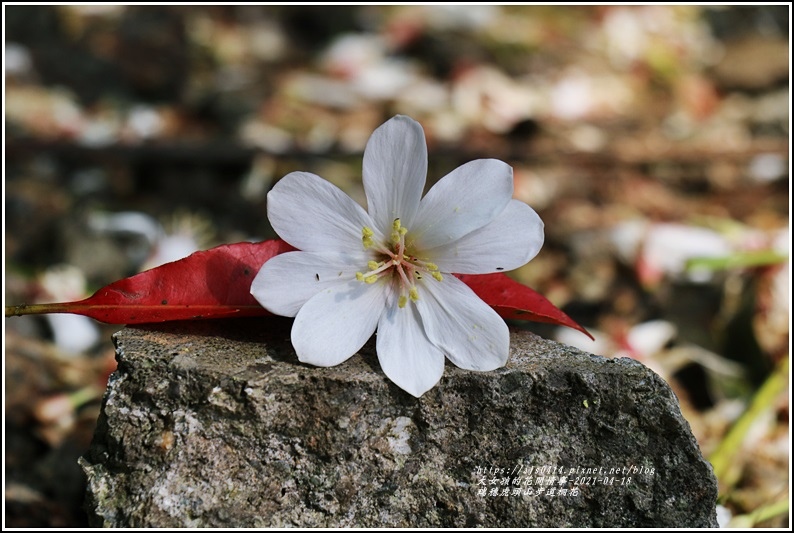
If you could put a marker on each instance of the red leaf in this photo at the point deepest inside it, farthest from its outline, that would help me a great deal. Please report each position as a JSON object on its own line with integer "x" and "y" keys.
{"x": 216, "y": 283}
{"x": 211, "y": 284}
{"x": 515, "y": 301}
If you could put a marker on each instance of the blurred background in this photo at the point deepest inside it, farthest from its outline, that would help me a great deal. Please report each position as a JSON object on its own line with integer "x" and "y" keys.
{"x": 653, "y": 141}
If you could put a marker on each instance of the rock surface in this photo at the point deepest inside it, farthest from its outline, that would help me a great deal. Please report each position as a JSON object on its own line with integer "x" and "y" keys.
{"x": 218, "y": 424}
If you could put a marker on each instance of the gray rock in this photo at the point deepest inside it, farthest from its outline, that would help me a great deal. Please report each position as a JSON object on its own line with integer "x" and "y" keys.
{"x": 218, "y": 424}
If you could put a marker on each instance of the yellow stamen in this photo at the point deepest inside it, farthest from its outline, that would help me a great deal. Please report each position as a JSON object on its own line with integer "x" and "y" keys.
{"x": 396, "y": 263}
{"x": 366, "y": 237}
{"x": 397, "y": 231}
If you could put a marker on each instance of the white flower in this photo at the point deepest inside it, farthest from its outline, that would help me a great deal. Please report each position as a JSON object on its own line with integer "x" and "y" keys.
{"x": 388, "y": 269}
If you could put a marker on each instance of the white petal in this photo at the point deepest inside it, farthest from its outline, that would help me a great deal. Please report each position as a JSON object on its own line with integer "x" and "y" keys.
{"x": 315, "y": 216}
{"x": 405, "y": 353}
{"x": 337, "y": 321}
{"x": 464, "y": 327}
{"x": 287, "y": 281}
{"x": 464, "y": 200}
{"x": 508, "y": 242}
{"x": 394, "y": 173}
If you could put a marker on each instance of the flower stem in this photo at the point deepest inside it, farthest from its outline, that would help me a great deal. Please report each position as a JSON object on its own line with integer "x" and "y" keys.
{"x": 723, "y": 458}
{"x": 761, "y": 514}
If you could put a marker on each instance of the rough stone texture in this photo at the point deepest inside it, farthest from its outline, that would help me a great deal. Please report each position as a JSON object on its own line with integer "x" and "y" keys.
{"x": 218, "y": 424}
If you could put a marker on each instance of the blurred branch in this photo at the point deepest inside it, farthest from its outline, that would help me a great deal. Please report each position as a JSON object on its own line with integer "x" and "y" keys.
{"x": 226, "y": 151}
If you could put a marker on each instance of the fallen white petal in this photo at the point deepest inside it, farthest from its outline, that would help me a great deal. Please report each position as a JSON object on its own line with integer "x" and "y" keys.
{"x": 668, "y": 247}
{"x": 287, "y": 281}
{"x": 464, "y": 327}
{"x": 511, "y": 240}
{"x": 315, "y": 216}
{"x": 335, "y": 323}
{"x": 648, "y": 338}
{"x": 73, "y": 334}
{"x": 405, "y": 353}
{"x": 394, "y": 173}
{"x": 464, "y": 200}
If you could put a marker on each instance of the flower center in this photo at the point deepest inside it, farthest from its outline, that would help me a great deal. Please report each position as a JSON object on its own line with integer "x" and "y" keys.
{"x": 398, "y": 262}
